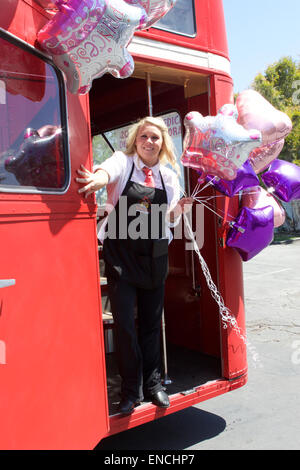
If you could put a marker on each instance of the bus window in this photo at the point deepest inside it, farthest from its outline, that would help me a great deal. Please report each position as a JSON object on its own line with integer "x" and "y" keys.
{"x": 180, "y": 19}
{"x": 101, "y": 151}
{"x": 33, "y": 147}
{"x": 173, "y": 122}
{"x": 103, "y": 147}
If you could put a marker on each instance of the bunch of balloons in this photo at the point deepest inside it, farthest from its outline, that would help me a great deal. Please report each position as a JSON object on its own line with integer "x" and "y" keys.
{"x": 88, "y": 38}
{"x": 230, "y": 150}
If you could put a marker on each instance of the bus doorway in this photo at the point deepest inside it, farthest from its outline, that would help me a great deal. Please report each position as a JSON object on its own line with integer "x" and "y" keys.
{"x": 191, "y": 327}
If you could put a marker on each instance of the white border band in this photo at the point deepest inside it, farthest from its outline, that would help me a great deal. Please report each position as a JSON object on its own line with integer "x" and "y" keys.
{"x": 183, "y": 55}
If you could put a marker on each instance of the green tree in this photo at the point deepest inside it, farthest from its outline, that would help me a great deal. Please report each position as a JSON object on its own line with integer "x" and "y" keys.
{"x": 280, "y": 85}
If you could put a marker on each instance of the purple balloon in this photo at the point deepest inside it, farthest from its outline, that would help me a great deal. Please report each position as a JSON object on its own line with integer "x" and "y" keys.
{"x": 252, "y": 231}
{"x": 245, "y": 178}
{"x": 284, "y": 178}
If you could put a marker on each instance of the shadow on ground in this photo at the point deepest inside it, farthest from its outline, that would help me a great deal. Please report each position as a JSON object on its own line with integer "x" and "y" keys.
{"x": 286, "y": 239}
{"x": 174, "y": 432}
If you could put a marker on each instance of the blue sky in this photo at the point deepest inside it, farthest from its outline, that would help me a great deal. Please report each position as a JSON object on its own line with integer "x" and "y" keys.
{"x": 259, "y": 33}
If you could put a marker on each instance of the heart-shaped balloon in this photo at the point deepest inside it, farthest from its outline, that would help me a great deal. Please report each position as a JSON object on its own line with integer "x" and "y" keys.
{"x": 252, "y": 231}
{"x": 88, "y": 38}
{"x": 217, "y": 145}
{"x": 284, "y": 179}
{"x": 256, "y": 112}
{"x": 258, "y": 197}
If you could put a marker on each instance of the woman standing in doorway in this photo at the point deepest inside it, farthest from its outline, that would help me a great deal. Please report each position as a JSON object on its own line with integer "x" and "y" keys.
{"x": 145, "y": 196}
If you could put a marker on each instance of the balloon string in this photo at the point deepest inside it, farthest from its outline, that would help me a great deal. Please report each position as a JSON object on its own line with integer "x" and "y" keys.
{"x": 182, "y": 190}
{"x": 196, "y": 190}
{"x": 209, "y": 183}
{"x": 201, "y": 199}
{"x": 204, "y": 200}
{"x": 208, "y": 206}
{"x": 227, "y": 318}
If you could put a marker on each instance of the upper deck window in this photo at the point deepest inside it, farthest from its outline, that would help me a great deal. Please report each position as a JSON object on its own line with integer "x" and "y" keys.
{"x": 180, "y": 19}
{"x": 33, "y": 141}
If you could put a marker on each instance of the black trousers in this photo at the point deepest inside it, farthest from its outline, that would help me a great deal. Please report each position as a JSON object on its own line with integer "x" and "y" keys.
{"x": 138, "y": 349}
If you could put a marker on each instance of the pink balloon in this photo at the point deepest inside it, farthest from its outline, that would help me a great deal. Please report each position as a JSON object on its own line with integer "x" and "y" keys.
{"x": 261, "y": 157}
{"x": 217, "y": 145}
{"x": 256, "y": 112}
{"x": 257, "y": 198}
{"x": 88, "y": 38}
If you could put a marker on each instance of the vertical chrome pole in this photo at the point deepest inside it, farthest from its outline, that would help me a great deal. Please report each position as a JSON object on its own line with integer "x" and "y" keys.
{"x": 149, "y": 89}
{"x": 166, "y": 380}
{"x": 189, "y": 216}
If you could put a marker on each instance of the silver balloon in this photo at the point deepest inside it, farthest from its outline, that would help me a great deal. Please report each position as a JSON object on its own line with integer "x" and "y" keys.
{"x": 217, "y": 145}
{"x": 88, "y": 38}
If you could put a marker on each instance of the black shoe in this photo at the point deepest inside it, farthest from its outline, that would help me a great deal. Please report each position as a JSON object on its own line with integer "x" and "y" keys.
{"x": 160, "y": 399}
{"x": 126, "y": 406}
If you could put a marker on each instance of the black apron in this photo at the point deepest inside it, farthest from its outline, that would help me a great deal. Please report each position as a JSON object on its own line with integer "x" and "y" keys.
{"x": 140, "y": 260}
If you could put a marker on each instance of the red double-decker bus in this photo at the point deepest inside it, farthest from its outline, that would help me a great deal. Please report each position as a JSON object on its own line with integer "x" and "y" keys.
{"x": 58, "y": 381}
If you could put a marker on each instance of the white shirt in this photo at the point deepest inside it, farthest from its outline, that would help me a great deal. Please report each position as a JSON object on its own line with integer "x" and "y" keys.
{"x": 119, "y": 166}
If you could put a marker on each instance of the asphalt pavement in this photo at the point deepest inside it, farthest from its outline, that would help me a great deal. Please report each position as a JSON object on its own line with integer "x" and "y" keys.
{"x": 265, "y": 413}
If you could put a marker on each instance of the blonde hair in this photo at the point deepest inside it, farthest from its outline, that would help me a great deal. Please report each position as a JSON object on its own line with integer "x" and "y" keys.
{"x": 167, "y": 153}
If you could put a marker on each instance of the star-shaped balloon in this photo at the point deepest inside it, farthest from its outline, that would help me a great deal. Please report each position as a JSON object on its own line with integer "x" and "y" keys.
{"x": 252, "y": 231}
{"x": 258, "y": 197}
{"x": 217, "y": 145}
{"x": 88, "y": 38}
{"x": 283, "y": 178}
{"x": 245, "y": 178}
